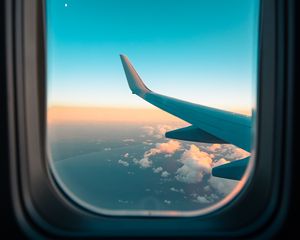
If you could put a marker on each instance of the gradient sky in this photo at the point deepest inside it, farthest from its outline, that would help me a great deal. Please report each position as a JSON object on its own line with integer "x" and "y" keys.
{"x": 200, "y": 51}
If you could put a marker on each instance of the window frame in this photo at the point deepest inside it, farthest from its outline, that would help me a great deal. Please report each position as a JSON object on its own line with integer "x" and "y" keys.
{"x": 41, "y": 208}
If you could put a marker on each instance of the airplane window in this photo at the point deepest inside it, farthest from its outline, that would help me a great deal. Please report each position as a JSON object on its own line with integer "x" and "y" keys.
{"x": 150, "y": 103}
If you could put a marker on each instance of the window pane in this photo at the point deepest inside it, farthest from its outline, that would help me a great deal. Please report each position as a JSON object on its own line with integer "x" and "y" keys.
{"x": 107, "y": 147}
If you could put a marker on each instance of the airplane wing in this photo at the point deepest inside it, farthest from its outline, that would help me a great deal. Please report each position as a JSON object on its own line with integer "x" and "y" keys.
{"x": 208, "y": 124}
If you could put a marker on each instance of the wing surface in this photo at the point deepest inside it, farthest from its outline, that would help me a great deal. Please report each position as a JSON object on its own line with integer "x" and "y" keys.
{"x": 208, "y": 124}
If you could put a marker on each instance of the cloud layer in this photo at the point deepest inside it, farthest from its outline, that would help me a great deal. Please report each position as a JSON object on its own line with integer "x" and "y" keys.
{"x": 196, "y": 163}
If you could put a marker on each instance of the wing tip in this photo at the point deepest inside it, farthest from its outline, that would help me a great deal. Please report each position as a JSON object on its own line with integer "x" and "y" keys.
{"x": 135, "y": 83}
{"x": 122, "y": 56}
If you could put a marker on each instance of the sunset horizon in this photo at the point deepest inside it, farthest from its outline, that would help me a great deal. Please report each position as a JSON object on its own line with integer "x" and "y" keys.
{"x": 63, "y": 113}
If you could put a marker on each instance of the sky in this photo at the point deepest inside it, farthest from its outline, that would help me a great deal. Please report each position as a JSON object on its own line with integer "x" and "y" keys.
{"x": 200, "y": 51}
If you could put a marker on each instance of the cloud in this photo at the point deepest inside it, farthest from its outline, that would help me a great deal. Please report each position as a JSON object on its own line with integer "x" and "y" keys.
{"x": 196, "y": 164}
{"x": 239, "y": 153}
{"x": 107, "y": 149}
{"x": 214, "y": 147}
{"x": 126, "y": 155}
{"x": 135, "y": 161}
{"x": 124, "y": 163}
{"x": 165, "y": 174}
{"x": 149, "y": 130}
{"x": 162, "y": 129}
{"x": 128, "y": 140}
{"x": 201, "y": 199}
{"x": 206, "y": 198}
{"x": 169, "y": 147}
{"x": 148, "y": 143}
{"x": 157, "y": 131}
{"x": 231, "y": 152}
{"x": 157, "y": 170}
{"x": 221, "y": 161}
{"x": 227, "y": 151}
{"x": 173, "y": 189}
{"x": 167, "y": 202}
{"x": 221, "y": 185}
{"x": 145, "y": 163}
{"x": 188, "y": 175}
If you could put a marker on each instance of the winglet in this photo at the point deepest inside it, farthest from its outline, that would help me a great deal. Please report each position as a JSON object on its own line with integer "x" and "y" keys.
{"x": 135, "y": 83}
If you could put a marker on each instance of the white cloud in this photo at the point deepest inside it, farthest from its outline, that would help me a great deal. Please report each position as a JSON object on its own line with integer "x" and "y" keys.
{"x": 196, "y": 164}
{"x": 145, "y": 163}
{"x": 128, "y": 140}
{"x": 222, "y": 185}
{"x": 157, "y": 170}
{"x": 107, "y": 149}
{"x": 165, "y": 174}
{"x": 233, "y": 153}
{"x": 148, "y": 143}
{"x": 124, "y": 163}
{"x": 135, "y": 161}
{"x": 188, "y": 175}
{"x": 173, "y": 189}
{"x": 157, "y": 131}
{"x": 126, "y": 155}
{"x": 167, "y": 201}
{"x": 228, "y": 151}
{"x": 162, "y": 129}
{"x": 201, "y": 199}
{"x": 149, "y": 130}
{"x": 169, "y": 147}
{"x": 206, "y": 198}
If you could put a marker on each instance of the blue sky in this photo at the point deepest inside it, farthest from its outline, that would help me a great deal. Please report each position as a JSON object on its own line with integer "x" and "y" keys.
{"x": 200, "y": 51}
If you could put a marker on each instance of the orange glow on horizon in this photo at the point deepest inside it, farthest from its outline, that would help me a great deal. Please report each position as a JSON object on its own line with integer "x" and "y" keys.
{"x": 61, "y": 114}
